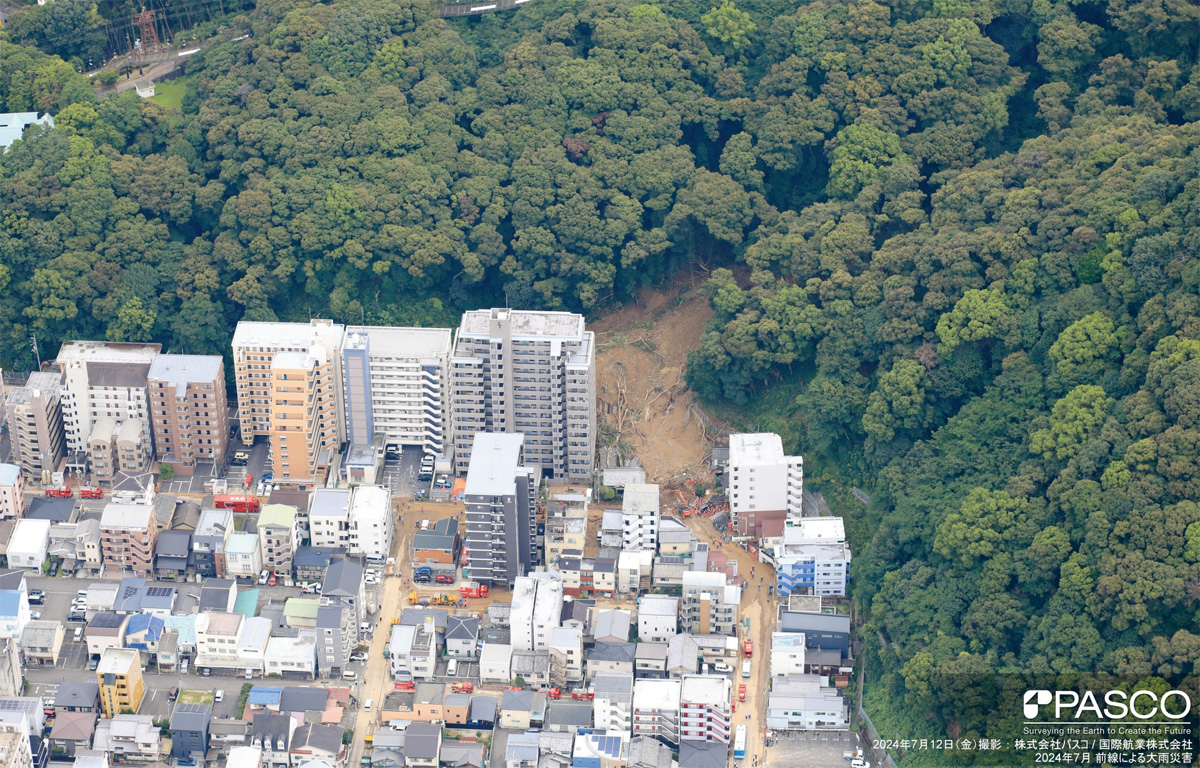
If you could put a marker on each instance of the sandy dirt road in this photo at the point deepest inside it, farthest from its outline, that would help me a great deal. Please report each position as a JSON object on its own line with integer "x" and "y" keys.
{"x": 760, "y": 608}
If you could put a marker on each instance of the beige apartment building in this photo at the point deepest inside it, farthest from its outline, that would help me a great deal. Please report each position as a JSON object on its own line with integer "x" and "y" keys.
{"x": 127, "y": 536}
{"x": 255, "y": 346}
{"x": 528, "y": 372}
{"x": 104, "y": 379}
{"x": 188, "y": 410}
{"x": 303, "y": 417}
{"x": 114, "y": 447}
{"x": 34, "y": 417}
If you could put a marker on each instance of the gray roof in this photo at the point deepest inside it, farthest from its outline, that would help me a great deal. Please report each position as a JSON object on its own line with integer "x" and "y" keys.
{"x": 613, "y": 686}
{"x": 459, "y": 628}
{"x": 460, "y": 754}
{"x": 530, "y": 663}
{"x": 648, "y": 752}
{"x": 270, "y": 727}
{"x": 807, "y": 622}
{"x": 11, "y": 579}
{"x": 521, "y": 701}
{"x": 323, "y": 737}
{"x": 77, "y": 694}
{"x": 823, "y": 657}
{"x": 495, "y": 457}
{"x": 106, "y": 620}
{"x": 683, "y": 653}
{"x": 214, "y": 594}
{"x": 412, "y": 617}
{"x": 330, "y": 616}
{"x": 576, "y": 609}
{"x": 329, "y": 502}
{"x": 173, "y": 544}
{"x": 658, "y": 651}
{"x": 117, "y": 374}
{"x": 441, "y": 537}
{"x": 703, "y": 754}
{"x": 191, "y": 717}
{"x": 298, "y": 698}
{"x": 500, "y": 635}
{"x": 483, "y": 709}
{"x": 182, "y": 370}
{"x": 421, "y": 740}
{"x": 54, "y": 510}
{"x": 316, "y": 557}
{"x": 612, "y": 623}
{"x": 343, "y": 578}
{"x": 569, "y": 713}
{"x": 620, "y": 652}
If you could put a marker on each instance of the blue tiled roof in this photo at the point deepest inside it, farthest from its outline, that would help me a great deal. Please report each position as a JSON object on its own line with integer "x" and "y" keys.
{"x": 265, "y": 696}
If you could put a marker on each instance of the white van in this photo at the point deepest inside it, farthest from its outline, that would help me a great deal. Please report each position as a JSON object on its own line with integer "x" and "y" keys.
{"x": 367, "y": 704}
{"x": 349, "y": 675}
{"x": 452, "y": 667}
{"x": 746, "y": 668}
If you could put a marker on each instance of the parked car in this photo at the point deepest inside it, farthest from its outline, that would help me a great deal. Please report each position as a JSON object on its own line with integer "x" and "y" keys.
{"x": 174, "y": 694}
{"x": 366, "y": 627}
{"x": 722, "y": 667}
{"x": 218, "y": 696}
{"x": 78, "y": 634}
{"x": 36, "y": 597}
{"x": 240, "y": 459}
{"x": 76, "y": 616}
{"x": 272, "y": 581}
{"x": 54, "y": 567}
{"x": 358, "y": 657}
{"x": 443, "y": 578}
{"x": 262, "y": 577}
{"x": 35, "y": 615}
{"x": 93, "y": 662}
{"x": 421, "y": 579}
{"x": 183, "y": 667}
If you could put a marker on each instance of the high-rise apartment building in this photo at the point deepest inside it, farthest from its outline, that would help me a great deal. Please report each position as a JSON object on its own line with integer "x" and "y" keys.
{"x": 532, "y": 373}
{"x": 303, "y": 413}
{"x": 189, "y": 415}
{"x": 35, "y": 423}
{"x": 127, "y": 536}
{"x": 104, "y": 379}
{"x": 814, "y": 558}
{"x": 395, "y": 385}
{"x": 501, "y": 510}
{"x": 255, "y": 346}
{"x": 764, "y": 484}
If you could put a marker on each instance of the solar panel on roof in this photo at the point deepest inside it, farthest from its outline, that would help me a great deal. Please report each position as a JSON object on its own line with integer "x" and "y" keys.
{"x": 129, "y": 592}
{"x": 160, "y": 591}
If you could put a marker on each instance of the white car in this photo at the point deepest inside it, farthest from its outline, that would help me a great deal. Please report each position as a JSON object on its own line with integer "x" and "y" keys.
{"x": 262, "y": 577}
{"x": 218, "y": 695}
{"x": 366, "y": 627}
{"x": 358, "y": 657}
{"x": 722, "y": 667}
{"x": 858, "y": 762}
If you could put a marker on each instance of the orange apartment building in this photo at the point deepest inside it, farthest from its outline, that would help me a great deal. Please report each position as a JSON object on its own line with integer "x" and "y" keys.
{"x": 255, "y": 346}
{"x": 303, "y": 413}
{"x": 189, "y": 415}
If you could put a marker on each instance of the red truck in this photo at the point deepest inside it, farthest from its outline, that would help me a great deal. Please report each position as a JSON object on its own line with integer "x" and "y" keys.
{"x": 748, "y": 648}
{"x": 238, "y": 502}
{"x": 59, "y": 493}
{"x": 91, "y": 493}
{"x": 473, "y": 589}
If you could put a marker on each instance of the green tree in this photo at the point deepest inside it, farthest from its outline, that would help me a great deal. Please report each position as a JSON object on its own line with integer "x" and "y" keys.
{"x": 977, "y": 531}
{"x": 1084, "y": 348}
{"x": 729, "y": 25}
{"x": 134, "y": 322}
{"x": 898, "y": 403}
{"x": 1072, "y": 421}
{"x": 979, "y": 315}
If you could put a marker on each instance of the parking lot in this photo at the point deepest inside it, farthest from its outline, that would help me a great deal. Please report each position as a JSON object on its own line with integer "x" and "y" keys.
{"x": 400, "y": 475}
{"x": 810, "y": 749}
{"x": 205, "y": 471}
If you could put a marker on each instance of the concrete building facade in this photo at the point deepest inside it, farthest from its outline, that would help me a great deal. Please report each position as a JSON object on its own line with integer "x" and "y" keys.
{"x": 12, "y": 491}
{"x": 532, "y": 373}
{"x": 104, "y": 378}
{"x": 188, "y": 412}
{"x": 396, "y": 386}
{"x": 127, "y": 536}
{"x": 35, "y": 423}
{"x": 501, "y": 510}
{"x": 764, "y": 484}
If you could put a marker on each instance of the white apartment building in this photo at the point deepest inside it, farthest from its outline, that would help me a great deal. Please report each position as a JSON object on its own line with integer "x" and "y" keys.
{"x": 400, "y": 650}
{"x": 536, "y": 610}
{"x": 566, "y": 655}
{"x": 255, "y": 346}
{"x": 217, "y": 639}
{"x": 635, "y": 567}
{"x": 656, "y": 709}
{"x": 764, "y": 484}
{"x": 814, "y": 558}
{"x": 329, "y": 517}
{"x": 252, "y": 644}
{"x": 640, "y": 516}
{"x": 802, "y": 703}
{"x": 396, "y": 385}
{"x": 291, "y": 656}
{"x": 532, "y": 373}
{"x": 495, "y": 663}
{"x": 787, "y": 653}
{"x": 658, "y": 618}
{"x": 613, "y": 705}
{"x": 242, "y": 555}
{"x": 104, "y": 379}
{"x": 710, "y": 606}
{"x": 371, "y": 522}
{"x": 705, "y": 708}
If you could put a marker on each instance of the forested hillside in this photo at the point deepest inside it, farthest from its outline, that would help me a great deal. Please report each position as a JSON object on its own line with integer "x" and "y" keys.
{"x": 964, "y": 232}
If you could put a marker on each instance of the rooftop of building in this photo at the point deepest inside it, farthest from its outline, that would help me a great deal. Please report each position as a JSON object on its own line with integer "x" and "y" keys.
{"x": 656, "y": 694}
{"x": 241, "y": 543}
{"x": 39, "y": 381}
{"x": 705, "y": 689}
{"x": 372, "y": 500}
{"x": 255, "y": 334}
{"x": 395, "y": 341}
{"x": 329, "y": 502}
{"x": 278, "y": 515}
{"x": 755, "y": 449}
{"x": 524, "y": 322}
{"x": 658, "y": 605}
{"x": 181, "y": 370}
{"x": 92, "y": 350}
{"x": 127, "y": 516}
{"x": 495, "y": 457}
{"x": 641, "y": 499}
{"x": 9, "y": 474}
{"x": 118, "y": 661}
